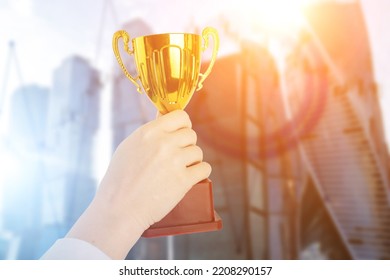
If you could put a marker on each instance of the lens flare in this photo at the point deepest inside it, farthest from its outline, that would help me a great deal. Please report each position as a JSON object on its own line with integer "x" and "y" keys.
{"x": 273, "y": 16}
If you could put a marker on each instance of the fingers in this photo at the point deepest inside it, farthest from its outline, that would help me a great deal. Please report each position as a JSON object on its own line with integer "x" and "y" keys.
{"x": 178, "y": 128}
{"x": 174, "y": 120}
{"x": 198, "y": 172}
{"x": 191, "y": 155}
{"x": 184, "y": 137}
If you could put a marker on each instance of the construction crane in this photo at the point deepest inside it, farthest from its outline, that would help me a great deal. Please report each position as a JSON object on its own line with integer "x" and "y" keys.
{"x": 12, "y": 61}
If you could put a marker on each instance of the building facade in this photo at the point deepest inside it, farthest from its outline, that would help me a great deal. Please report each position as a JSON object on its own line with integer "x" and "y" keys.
{"x": 73, "y": 119}
{"x": 23, "y": 188}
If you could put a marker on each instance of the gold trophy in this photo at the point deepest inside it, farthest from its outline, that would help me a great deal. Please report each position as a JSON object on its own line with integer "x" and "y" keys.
{"x": 168, "y": 71}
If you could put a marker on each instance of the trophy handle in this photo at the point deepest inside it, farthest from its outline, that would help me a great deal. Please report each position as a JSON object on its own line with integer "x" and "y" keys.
{"x": 205, "y": 34}
{"x": 126, "y": 39}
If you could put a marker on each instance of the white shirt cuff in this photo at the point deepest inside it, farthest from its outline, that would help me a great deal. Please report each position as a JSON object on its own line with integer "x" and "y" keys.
{"x": 73, "y": 249}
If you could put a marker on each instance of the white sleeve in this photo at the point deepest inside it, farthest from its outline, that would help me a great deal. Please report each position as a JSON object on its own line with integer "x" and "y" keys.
{"x": 73, "y": 249}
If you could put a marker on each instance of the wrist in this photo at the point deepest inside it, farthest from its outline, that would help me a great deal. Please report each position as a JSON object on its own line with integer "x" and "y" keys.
{"x": 103, "y": 226}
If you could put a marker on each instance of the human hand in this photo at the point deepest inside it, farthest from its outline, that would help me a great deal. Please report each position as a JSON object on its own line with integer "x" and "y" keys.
{"x": 154, "y": 168}
{"x": 150, "y": 172}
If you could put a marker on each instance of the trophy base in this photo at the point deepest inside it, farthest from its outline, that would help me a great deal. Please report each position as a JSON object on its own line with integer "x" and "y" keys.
{"x": 194, "y": 213}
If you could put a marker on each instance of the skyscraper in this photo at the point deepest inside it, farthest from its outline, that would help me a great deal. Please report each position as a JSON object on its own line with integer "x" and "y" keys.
{"x": 22, "y": 192}
{"x": 72, "y": 123}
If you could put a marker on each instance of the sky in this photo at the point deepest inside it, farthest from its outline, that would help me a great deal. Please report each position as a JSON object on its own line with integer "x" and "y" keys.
{"x": 46, "y": 32}
{"x": 377, "y": 15}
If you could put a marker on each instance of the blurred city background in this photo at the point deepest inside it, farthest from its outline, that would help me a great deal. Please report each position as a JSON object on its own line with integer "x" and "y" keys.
{"x": 292, "y": 118}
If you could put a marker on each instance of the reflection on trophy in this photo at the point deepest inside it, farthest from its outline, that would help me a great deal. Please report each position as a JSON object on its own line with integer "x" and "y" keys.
{"x": 168, "y": 71}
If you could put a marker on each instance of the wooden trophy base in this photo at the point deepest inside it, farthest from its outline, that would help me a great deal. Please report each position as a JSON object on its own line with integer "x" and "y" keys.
{"x": 194, "y": 213}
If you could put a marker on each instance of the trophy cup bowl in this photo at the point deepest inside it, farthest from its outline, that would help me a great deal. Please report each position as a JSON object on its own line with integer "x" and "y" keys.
{"x": 168, "y": 70}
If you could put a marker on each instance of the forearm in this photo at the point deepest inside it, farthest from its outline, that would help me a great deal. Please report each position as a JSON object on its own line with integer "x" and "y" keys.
{"x": 150, "y": 172}
{"x": 105, "y": 228}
